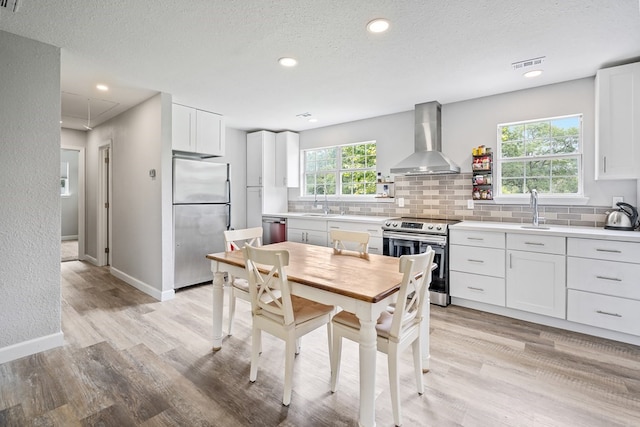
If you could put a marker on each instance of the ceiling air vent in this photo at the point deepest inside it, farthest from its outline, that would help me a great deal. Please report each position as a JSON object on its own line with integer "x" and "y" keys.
{"x": 9, "y": 5}
{"x": 527, "y": 63}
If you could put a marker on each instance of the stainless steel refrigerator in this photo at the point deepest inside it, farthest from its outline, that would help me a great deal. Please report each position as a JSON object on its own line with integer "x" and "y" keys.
{"x": 201, "y": 212}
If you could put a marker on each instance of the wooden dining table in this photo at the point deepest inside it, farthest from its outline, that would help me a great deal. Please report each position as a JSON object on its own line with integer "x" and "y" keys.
{"x": 361, "y": 285}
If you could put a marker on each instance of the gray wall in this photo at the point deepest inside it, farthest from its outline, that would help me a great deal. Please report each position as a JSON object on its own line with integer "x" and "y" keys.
{"x": 30, "y": 194}
{"x": 471, "y": 123}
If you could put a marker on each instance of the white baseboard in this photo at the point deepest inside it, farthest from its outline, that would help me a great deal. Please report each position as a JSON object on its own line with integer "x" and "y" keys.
{"x": 141, "y": 286}
{"x": 70, "y": 237}
{"x": 27, "y": 348}
{"x": 90, "y": 259}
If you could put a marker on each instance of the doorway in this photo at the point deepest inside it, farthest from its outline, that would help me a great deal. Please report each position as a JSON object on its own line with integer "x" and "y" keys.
{"x": 72, "y": 196}
{"x": 104, "y": 205}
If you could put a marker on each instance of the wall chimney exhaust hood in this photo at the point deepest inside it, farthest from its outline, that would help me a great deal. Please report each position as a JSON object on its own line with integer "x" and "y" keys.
{"x": 427, "y": 158}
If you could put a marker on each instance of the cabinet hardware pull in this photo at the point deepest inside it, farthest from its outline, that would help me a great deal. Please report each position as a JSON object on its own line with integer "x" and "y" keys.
{"x": 475, "y": 260}
{"x": 510, "y": 263}
{"x": 373, "y": 231}
{"x": 615, "y": 279}
{"x": 614, "y": 251}
{"x": 475, "y": 238}
{"x": 475, "y": 289}
{"x": 534, "y": 243}
{"x": 608, "y": 314}
{"x": 605, "y": 164}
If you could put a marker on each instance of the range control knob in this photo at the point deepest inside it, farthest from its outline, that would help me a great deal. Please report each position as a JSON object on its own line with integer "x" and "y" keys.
{"x": 430, "y": 226}
{"x": 439, "y": 227}
{"x": 388, "y": 223}
{"x": 395, "y": 224}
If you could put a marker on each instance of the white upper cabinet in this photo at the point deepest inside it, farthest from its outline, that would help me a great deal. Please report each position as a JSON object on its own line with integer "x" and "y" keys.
{"x": 287, "y": 159}
{"x": 197, "y": 131}
{"x": 261, "y": 154}
{"x": 618, "y": 122}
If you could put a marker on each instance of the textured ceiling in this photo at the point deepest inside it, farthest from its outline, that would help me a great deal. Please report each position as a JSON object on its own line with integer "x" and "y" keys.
{"x": 222, "y": 55}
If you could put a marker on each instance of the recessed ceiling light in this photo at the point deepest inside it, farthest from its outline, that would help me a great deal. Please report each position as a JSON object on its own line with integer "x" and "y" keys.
{"x": 532, "y": 73}
{"x": 313, "y": 120}
{"x": 379, "y": 25}
{"x": 102, "y": 87}
{"x": 288, "y": 62}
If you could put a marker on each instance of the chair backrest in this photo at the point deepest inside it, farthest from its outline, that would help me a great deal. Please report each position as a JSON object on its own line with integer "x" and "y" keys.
{"x": 234, "y": 240}
{"x": 416, "y": 278}
{"x": 269, "y": 288}
{"x": 343, "y": 240}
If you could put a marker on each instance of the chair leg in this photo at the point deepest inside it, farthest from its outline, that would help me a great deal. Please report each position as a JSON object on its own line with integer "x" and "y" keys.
{"x": 394, "y": 383}
{"x": 290, "y": 354}
{"x": 417, "y": 364}
{"x": 256, "y": 346}
{"x": 336, "y": 355}
{"x": 232, "y": 308}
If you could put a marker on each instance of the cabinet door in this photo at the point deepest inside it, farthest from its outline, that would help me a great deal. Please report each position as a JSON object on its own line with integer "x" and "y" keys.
{"x": 254, "y": 207}
{"x": 318, "y": 238}
{"x": 536, "y": 282}
{"x": 183, "y": 128}
{"x": 209, "y": 133}
{"x": 254, "y": 159}
{"x": 287, "y": 162}
{"x": 618, "y": 122}
{"x": 296, "y": 235}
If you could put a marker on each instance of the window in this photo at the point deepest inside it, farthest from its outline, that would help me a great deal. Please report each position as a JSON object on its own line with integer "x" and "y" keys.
{"x": 348, "y": 170}
{"x": 545, "y": 155}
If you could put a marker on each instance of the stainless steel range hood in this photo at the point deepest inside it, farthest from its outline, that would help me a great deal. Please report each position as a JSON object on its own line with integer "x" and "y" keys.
{"x": 427, "y": 158}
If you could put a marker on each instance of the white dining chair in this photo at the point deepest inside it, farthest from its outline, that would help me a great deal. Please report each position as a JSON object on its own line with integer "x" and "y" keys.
{"x": 348, "y": 240}
{"x": 277, "y": 312}
{"x": 234, "y": 240}
{"x": 397, "y": 327}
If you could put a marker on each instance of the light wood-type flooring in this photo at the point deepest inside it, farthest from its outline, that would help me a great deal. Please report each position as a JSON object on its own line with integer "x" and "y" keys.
{"x": 130, "y": 360}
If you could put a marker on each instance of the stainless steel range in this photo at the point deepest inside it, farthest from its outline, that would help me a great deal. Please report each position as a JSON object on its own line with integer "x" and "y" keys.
{"x": 412, "y": 236}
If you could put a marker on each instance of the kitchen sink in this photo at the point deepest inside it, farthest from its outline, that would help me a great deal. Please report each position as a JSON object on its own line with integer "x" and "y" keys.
{"x": 320, "y": 215}
{"x": 534, "y": 227}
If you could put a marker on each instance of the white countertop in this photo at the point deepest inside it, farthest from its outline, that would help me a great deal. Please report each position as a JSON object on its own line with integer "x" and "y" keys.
{"x": 331, "y": 217}
{"x": 550, "y": 230}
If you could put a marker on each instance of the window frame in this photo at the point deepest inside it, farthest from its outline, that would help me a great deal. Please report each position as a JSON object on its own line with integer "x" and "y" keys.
{"x": 337, "y": 172}
{"x": 550, "y": 198}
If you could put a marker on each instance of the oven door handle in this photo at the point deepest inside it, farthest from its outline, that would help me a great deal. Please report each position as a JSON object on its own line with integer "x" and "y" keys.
{"x": 421, "y": 238}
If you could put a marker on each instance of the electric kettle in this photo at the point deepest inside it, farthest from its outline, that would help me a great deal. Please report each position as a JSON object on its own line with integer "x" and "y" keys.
{"x": 623, "y": 218}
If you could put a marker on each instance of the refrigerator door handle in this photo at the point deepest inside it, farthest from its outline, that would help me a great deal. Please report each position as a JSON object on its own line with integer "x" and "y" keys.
{"x": 228, "y": 216}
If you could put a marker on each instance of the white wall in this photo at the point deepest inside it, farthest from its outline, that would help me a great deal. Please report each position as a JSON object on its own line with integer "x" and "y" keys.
{"x": 30, "y": 194}
{"x": 471, "y": 123}
{"x": 141, "y": 206}
{"x": 69, "y": 203}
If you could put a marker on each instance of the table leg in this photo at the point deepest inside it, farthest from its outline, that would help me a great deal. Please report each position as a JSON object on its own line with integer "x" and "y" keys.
{"x": 367, "y": 373}
{"x": 218, "y": 296}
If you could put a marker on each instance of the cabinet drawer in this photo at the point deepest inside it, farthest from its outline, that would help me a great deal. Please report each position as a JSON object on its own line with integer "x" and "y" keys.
{"x": 604, "y": 311}
{"x": 484, "y": 239}
{"x": 308, "y": 224}
{"x": 469, "y": 259}
{"x": 536, "y": 243}
{"x": 375, "y": 245}
{"x": 373, "y": 228}
{"x": 619, "y": 279}
{"x": 474, "y": 287}
{"x": 604, "y": 249}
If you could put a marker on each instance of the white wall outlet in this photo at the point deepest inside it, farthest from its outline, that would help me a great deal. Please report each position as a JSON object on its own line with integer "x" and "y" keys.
{"x": 401, "y": 202}
{"x": 616, "y": 199}
{"x": 469, "y": 204}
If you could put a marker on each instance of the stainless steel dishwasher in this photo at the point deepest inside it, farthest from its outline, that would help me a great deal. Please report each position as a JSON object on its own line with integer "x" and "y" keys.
{"x": 274, "y": 229}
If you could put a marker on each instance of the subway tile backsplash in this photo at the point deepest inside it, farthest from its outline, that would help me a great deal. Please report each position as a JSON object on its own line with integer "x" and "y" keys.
{"x": 445, "y": 196}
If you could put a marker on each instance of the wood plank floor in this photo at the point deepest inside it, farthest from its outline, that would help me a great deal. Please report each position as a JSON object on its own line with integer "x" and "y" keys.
{"x": 130, "y": 360}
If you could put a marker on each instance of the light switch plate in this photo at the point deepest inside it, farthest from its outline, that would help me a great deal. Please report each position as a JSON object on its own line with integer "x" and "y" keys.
{"x": 616, "y": 199}
{"x": 401, "y": 202}
{"x": 469, "y": 204}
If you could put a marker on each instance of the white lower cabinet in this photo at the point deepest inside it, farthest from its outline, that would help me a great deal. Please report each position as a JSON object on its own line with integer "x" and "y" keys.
{"x": 374, "y": 230}
{"x": 603, "y": 277}
{"x": 309, "y": 231}
{"x": 476, "y": 266}
{"x": 604, "y": 311}
{"x": 536, "y": 283}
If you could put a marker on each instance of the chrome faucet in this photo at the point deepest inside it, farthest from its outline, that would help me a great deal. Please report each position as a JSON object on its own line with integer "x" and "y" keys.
{"x": 533, "y": 203}
{"x": 325, "y": 206}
